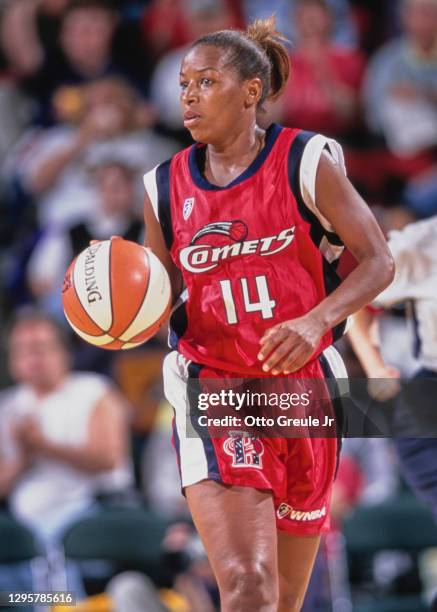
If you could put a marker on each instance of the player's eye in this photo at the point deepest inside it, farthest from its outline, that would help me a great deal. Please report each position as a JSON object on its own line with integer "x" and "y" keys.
{"x": 205, "y": 81}
{"x": 183, "y": 85}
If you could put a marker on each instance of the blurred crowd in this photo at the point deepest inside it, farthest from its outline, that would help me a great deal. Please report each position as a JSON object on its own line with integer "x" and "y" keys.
{"x": 88, "y": 103}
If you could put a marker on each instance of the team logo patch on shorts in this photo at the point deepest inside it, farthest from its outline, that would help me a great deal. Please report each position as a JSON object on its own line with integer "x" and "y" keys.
{"x": 286, "y": 511}
{"x": 245, "y": 451}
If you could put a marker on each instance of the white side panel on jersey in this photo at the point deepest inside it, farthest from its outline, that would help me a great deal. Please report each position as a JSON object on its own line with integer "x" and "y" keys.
{"x": 331, "y": 252}
{"x": 155, "y": 301}
{"x": 308, "y": 171}
{"x": 149, "y": 180}
{"x": 96, "y": 340}
{"x": 338, "y": 368}
{"x": 91, "y": 277}
{"x": 193, "y": 461}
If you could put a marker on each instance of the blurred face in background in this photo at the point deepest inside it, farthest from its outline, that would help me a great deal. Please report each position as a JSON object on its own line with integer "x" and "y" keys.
{"x": 37, "y": 356}
{"x": 208, "y": 20}
{"x": 86, "y": 38}
{"x": 54, "y": 7}
{"x": 113, "y": 104}
{"x": 420, "y": 22}
{"x": 115, "y": 185}
{"x": 313, "y": 21}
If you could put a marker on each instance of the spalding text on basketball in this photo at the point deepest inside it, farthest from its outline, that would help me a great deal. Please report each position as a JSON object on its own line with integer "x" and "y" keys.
{"x": 93, "y": 293}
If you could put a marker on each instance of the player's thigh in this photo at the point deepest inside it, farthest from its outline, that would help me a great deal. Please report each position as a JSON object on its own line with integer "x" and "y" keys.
{"x": 238, "y": 528}
{"x": 296, "y": 556}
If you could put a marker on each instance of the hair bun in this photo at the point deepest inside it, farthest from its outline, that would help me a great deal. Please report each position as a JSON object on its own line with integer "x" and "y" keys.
{"x": 263, "y": 33}
{"x": 261, "y": 30}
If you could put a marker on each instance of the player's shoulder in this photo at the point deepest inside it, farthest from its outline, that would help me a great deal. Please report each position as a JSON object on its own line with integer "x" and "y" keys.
{"x": 163, "y": 169}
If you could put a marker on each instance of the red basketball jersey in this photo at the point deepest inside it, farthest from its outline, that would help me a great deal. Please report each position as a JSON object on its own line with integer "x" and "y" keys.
{"x": 251, "y": 253}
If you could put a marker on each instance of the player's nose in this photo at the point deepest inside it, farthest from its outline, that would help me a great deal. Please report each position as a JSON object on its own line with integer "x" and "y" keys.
{"x": 190, "y": 94}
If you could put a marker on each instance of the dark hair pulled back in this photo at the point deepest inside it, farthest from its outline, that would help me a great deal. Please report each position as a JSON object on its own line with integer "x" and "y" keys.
{"x": 259, "y": 51}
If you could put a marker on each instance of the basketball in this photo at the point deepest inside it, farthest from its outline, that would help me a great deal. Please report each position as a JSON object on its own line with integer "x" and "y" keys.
{"x": 116, "y": 294}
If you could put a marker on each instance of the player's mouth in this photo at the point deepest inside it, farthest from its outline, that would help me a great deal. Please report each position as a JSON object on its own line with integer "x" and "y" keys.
{"x": 191, "y": 119}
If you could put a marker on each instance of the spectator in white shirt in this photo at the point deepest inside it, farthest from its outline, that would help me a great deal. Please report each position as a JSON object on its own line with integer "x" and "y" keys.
{"x": 64, "y": 435}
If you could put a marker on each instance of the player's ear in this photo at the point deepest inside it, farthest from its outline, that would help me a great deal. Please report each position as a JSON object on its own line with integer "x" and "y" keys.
{"x": 253, "y": 92}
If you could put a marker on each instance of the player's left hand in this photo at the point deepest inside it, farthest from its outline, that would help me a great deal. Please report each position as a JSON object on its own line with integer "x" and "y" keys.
{"x": 288, "y": 346}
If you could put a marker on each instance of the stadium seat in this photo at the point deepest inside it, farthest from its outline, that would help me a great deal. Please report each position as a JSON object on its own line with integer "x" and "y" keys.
{"x": 16, "y": 542}
{"x": 129, "y": 537}
{"x": 402, "y": 525}
{"x": 18, "y": 545}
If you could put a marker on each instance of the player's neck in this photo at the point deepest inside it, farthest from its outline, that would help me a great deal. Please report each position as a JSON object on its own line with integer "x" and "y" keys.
{"x": 228, "y": 159}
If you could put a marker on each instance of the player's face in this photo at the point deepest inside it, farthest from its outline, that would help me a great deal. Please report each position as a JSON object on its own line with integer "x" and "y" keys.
{"x": 213, "y": 98}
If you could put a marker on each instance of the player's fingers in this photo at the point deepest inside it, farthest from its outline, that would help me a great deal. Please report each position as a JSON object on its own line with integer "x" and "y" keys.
{"x": 271, "y": 342}
{"x": 277, "y": 356}
{"x": 290, "y": 362}
{"x": 269, "y": 333}
{"x": 295, "y": 363}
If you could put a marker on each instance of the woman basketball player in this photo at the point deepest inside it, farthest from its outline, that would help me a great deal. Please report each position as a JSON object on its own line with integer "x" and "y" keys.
{"x": 251, "y": 222}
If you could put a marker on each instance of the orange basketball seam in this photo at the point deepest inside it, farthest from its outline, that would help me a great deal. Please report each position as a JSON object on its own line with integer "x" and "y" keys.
{"x": 110, "y": 287}
{"x": 140, "y": 303}
{"x": 155, "y": 326}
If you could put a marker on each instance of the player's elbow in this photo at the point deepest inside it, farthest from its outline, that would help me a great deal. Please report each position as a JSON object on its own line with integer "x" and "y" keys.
{"x": 386, "y": 268}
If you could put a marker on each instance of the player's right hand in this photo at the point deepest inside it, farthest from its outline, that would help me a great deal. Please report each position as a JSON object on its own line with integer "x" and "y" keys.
{"x": 288, "y": 346}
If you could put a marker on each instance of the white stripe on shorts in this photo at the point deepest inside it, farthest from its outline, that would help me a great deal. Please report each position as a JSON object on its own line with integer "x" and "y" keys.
{"x": 193, "y": 461}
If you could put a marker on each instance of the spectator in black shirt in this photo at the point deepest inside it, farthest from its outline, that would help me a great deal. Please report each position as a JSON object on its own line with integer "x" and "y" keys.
{"x": 90, "y": 45}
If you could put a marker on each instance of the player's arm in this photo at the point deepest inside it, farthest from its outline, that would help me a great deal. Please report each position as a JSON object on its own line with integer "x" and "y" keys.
{"x": 154, "y": 239}
{"x": 287, "y": 346}
{"x": 353, "y": 221}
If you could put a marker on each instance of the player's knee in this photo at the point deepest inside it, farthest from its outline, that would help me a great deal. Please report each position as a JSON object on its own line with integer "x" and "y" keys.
{"x": 250, "y": 586}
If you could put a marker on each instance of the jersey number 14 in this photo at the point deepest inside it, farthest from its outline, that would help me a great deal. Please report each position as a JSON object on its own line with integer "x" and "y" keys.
{"x": 265, "y": 303}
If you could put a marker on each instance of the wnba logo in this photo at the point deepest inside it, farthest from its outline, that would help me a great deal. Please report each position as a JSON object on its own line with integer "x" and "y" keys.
{"x": 286, "y": 511}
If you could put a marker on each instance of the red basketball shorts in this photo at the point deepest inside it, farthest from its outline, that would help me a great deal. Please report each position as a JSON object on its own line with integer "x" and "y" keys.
{"x": 298, "y": 471}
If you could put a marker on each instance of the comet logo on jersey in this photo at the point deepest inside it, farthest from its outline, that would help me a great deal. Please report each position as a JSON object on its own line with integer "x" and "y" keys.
{"x": 245, "y": 451}
{"x": 236, "y": 230}
{"x": 199, "y": 258}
